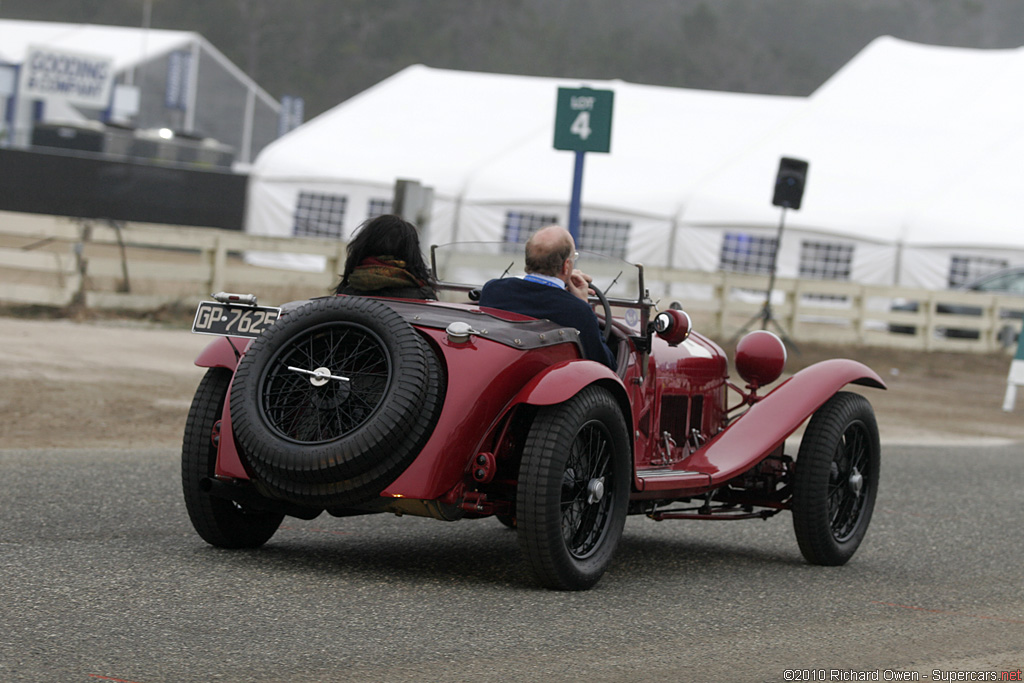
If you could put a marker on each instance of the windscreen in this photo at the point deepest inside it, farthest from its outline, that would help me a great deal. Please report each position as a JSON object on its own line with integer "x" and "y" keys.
{"x": 471, "y": 264}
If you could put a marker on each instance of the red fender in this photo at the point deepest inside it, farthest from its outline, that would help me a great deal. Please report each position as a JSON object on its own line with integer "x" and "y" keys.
{"x": 562, "y": 381}
{"x": 222, "y": 352}
{"x": 765, "y": 426}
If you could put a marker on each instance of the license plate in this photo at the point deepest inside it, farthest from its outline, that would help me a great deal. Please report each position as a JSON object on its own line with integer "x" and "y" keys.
{"x": 213, "y": 317}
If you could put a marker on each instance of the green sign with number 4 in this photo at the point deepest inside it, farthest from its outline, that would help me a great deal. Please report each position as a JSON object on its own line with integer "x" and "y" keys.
{"x": 583, "y": 120}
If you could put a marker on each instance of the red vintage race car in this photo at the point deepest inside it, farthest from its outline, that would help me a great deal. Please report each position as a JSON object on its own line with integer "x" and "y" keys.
{"x": 355, "y": 405}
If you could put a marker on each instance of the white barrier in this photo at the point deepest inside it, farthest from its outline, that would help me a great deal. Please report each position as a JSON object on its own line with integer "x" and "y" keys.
{"x": 1015, "y": 378}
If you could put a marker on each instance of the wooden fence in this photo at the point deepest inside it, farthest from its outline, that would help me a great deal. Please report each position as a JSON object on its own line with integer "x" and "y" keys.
{"x": 60, "y": 262}
{"x": 53, "y": 261}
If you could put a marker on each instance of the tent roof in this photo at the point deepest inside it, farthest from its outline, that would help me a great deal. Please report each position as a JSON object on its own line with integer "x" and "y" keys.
{"x": 489, "y": 137}
{"x": 127, "y": 46}
{"x": 907, "y": 142}
{"x": 429, "y": 124}
{"x": 664, "y": 140}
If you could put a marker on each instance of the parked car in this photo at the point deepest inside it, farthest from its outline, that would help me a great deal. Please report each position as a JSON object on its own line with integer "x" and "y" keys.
{"x": 1005, "y": 281}
{"x": 452, "y": 411}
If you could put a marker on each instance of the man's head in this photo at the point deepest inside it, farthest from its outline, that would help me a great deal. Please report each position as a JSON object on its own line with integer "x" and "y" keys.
{"x": 550, "y": 251}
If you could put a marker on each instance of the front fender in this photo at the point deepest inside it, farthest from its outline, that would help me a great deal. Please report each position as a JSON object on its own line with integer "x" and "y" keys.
{"x": 222, "y": 352}
{"x": 765, "y": 426}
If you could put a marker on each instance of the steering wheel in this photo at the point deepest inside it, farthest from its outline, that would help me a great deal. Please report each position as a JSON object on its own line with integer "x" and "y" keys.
{"x": 607, "y": 332}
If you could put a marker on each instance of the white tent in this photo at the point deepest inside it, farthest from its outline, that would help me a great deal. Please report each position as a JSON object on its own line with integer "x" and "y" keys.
{"x": 484, "y": 143}
{"x": 915, "y": 162}
{"x": 913, "y": 154}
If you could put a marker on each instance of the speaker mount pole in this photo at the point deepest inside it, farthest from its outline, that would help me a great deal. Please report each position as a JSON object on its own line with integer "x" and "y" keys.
{"x": 765, "y": 315}
{"x": 789, "y": 192}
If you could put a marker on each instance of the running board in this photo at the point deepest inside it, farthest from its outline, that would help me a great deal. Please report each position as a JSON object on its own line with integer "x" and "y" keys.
{"x": 668, "y": 480}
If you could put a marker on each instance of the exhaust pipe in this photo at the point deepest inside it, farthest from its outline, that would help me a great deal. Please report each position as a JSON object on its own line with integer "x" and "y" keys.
{"x": 250, "y": 500}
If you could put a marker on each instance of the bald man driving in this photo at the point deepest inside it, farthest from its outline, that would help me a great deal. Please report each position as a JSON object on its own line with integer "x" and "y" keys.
{"x": 553, "y": 288}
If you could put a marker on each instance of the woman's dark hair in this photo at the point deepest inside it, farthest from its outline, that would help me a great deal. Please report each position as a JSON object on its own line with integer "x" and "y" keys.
{"x": 386, "y": 235}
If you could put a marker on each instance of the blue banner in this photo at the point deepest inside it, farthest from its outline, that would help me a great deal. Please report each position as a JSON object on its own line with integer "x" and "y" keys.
{"x": 292, "y": 112}
{"x": 179, "y": 65}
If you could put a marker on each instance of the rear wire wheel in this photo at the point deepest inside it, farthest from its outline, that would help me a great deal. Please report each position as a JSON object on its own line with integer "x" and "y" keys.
{"x": 836, "y": 479}
{"x": 574, "y": 485}
{"x": 219, "y": 522}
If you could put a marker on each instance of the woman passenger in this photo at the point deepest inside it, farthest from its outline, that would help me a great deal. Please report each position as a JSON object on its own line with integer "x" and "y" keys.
{"x": 384, "y": 259}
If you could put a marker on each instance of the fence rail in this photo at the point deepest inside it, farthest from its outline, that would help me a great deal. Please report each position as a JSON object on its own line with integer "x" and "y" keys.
{"x": 61, "y": 262}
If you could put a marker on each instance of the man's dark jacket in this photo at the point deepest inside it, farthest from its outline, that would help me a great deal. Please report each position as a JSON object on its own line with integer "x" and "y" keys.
{"x": 554, "y": 303}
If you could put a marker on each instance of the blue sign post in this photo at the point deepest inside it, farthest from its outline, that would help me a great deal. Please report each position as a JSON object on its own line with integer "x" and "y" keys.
{"x": 574, "y": 202}
{"x": 583, "y": 123}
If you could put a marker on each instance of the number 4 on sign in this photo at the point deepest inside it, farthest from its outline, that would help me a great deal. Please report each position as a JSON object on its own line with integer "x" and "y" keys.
{"x": 583, "y": 120}
{"x": 581, "y": 126}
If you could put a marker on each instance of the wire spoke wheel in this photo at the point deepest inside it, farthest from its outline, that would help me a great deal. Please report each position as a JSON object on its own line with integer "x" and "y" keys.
{"x": 588, "y": 474}
{"x": 574, "y": 482}
{"x": 836, "y": 479}
{"x": 846, "y": 495}
{"x": 316, "y": 408}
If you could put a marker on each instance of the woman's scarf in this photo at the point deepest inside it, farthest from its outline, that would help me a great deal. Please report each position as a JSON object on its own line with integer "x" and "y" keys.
{"x": 381, "y": 273}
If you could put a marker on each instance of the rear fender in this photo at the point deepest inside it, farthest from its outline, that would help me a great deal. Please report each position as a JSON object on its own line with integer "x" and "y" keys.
{"x": 564, "y": 380}
{"x": 229, "y": 463}
{"x": 765, "y": 426}
{"x": 222, "y": 352}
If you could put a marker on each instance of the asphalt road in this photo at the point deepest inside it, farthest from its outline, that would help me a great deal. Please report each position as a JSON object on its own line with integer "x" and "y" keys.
{"x": 102, "y": 578}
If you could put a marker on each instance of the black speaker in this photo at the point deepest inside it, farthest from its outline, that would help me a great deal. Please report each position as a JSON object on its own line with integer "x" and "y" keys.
{"x": 789, "y": 185}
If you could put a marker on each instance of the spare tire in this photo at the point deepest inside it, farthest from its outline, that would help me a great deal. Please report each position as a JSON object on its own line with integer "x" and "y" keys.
{"x": 335, "y": 400}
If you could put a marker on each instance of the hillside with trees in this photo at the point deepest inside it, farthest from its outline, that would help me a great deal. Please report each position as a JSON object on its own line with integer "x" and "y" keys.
{"x": 328, "y": 50}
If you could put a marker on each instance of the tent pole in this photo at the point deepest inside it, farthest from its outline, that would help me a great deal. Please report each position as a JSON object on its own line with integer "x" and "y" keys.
{"x": 899, "y": 265}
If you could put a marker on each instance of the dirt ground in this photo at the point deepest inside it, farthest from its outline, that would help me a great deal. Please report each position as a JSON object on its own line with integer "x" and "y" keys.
{"x": 128, "y": 384}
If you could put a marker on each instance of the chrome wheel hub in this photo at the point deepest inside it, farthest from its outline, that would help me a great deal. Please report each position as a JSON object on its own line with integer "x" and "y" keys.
{"x": 856, "y": 482}
{"x": 318, "y": 377}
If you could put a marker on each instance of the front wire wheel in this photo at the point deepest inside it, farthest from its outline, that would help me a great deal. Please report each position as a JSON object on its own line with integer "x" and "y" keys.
{"x": 574, "y": 489}
{"x": 836, "y": 480}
